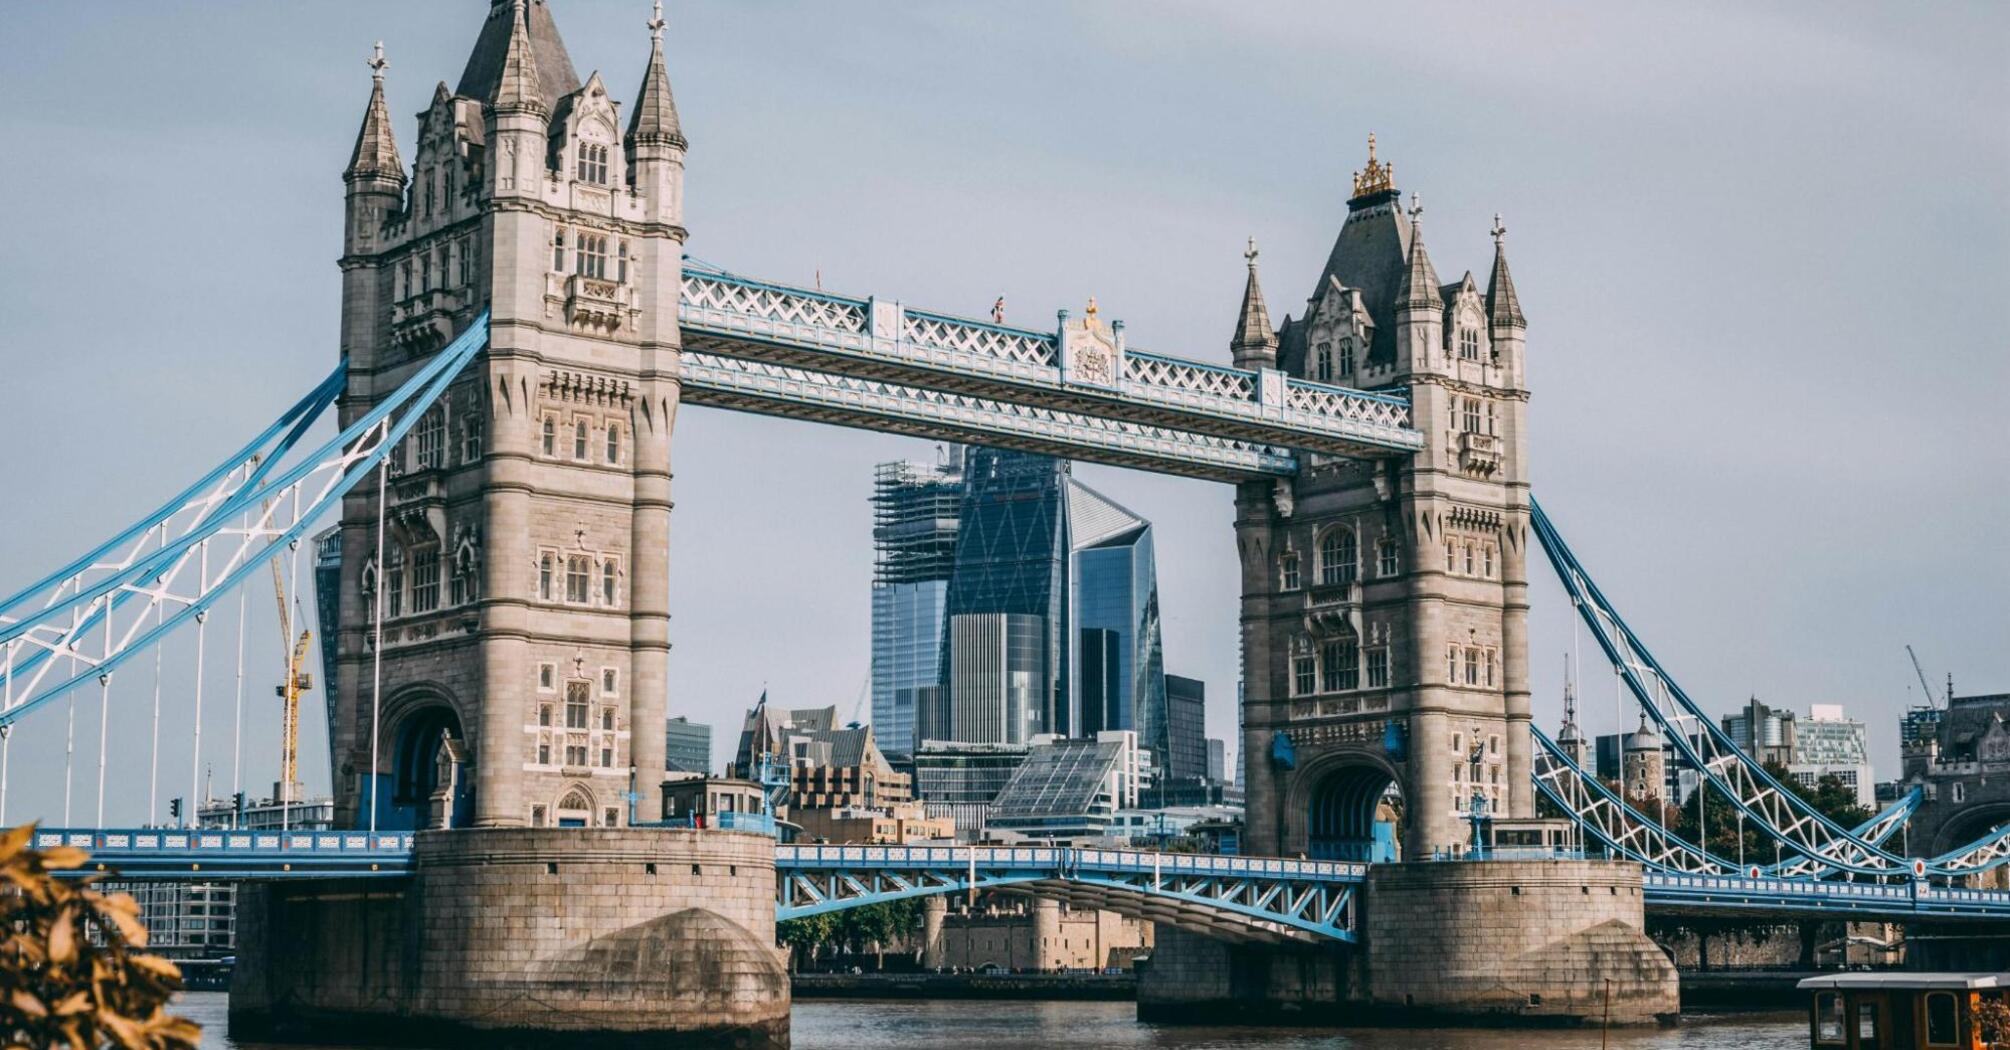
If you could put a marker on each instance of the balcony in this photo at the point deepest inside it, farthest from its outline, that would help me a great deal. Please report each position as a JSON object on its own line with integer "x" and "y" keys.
{"x": 593, "y": 302}
{"x": 1479, "y": 453}
{"x": 425, "y": 322}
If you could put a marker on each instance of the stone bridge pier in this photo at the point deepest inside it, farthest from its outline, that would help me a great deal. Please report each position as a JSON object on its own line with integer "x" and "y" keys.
{"x": 507, "y": 937}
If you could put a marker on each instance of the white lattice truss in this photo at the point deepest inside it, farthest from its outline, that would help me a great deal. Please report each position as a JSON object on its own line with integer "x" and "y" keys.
{"x": 1776, "y": 812}
{"x": 757, "y": 386}
{"x": 879, "y": 339}
{"x": 130, "y": 592}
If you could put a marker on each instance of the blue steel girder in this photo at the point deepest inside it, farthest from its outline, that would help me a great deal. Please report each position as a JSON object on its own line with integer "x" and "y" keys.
{"x": 220, "y": 855}
{"x": 880, "y": 339}
{"x": 1247, "y": 898}
{"x": 780, "y": 390}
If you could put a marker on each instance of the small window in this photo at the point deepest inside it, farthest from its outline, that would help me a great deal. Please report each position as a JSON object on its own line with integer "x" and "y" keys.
{"x": 612, "y": 816}
{"x": 547, "y": 674}
{"x": 1451, "y": 557}
{"x": 575, "y": 706}
{"x": 1452, "y": 663}
{"x": 1378, "y": 667}
{"x": 471, "y": 435}
{"x": 558, "y": 249}
{"x": 425, "y": 579}
{"x": 537, "y": 817}
{"x": 544, "y": 751}
{"x": 1288, "y": 570}
{"x": 1387, "y": 559}
{"x": 579, "y": 439}
{"x": 607, "y": 720}
{"x": 1487, "y": 561}
{"x": 578, "y": 567}
{"x": 1304, "y": 674}
{"x": 621, "y": 260}
{"x": 548, "y": 439}
{"x": 431, "y": 439}
{"x": 609, "y": 679}
{"x": 1941, "y": 1024}
{"x": 1322, "y": 363}
{"x": 608, "y": 575}
{"x": 1471, "y": 416}
{"x": 544, "y": 573}
{"x": 1472, "y": 667}
{"x": 1459, "y": 748}
{"x": 544, "y": 714}
{"x": 1346, "y": 357}
{"x": 394, "y": 585}
{"x": 1469, "y": 559}
{"x": 613, "y": 443}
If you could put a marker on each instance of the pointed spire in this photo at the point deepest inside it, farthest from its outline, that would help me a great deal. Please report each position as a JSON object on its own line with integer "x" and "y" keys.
{"x": 1503, "y": 308}
{"x": 1253, "y": 333}
{"x": 376, "y": 152}
{"x": 654, "y": 122}
{"x": 1419, "y": 287}
{"x": 519, "y": 89}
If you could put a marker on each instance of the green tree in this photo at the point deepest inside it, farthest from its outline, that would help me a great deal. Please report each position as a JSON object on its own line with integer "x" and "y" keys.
{"x": 71, "y": 974}
{"x": 805, "y": 935}
{"x": 1721, "y": 825}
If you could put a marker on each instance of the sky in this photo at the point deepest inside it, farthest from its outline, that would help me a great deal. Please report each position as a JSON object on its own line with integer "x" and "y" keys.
{"x": 1761, "y": 247}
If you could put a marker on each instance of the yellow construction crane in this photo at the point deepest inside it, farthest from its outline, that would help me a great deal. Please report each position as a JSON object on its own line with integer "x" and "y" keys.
{"x": 297, "y": 681}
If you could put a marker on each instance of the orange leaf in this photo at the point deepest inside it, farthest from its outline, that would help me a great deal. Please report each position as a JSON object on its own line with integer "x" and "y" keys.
{"x": 74, "y": 1003}
{"x": 29, "y": 1006}
{"x": 130, "y": 928}
{"x": 63, "y": 936}
{"x": 156, "y": 965}
{"x": 12, "y": 841}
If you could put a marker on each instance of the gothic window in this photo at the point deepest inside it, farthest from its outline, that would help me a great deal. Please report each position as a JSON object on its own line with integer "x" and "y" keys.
{"x": 394, "y": 581}
{"x": 575, "y": 755}
{"x": 613, "y": 443}
{"x": 1471, "y": 422}
{"x": 609, "y": 680}
{"x": 592, "y": 164}
{"x": 548, "y": 437}
{"x": 1469, "y": 559}
{"x": 1341, "y": 666}
{"x": 1451, "y": 557}
{"x": 425, "y": 579}
{"x": 608, "y": 571}
{"x": 467, "y": 584}
{"x": 558, "y": 249}
{"x": 543, "y": 754}
{"x": 1472, "y": 667}
{"x": 1490, "y": 417}
{"x": 467, "y": 260}
{"x": 405, "y": 289}
{"x": 1487, "y": 561}
{"x": 621, "y": 260}
{"x": 577, "y": 569}
{"x": 429, "y": 193}
{"x": 1304, "y": 669}
{"x": 544, "y": 573}
{"x": 1337, "y": 556}
{"x": 1452, "y": 668}
{"x": 1346, "y": 357}
{"x": 1322, "y": 363}
{"x": 1378, "y": 667}
{"x": 544, "y": 715}
{"x": 575, "y": 704}
{"x": 432, "y": 438}
{"x": 1387, "y": 559}
{"x": 607, "y": 720}
{"x": 607, "y": 762}
{"x": 547, "y": 677}
{"x": 1288, "y": 570}
{"x": 1490, "y": 660}
{"x": 1469, "y": 344}
{"x": 591, "y": 260}
{"x": 425, "y": 272}
{"x": 537, "y": 813}
{"x": 440, "y": 260}
{"x": 579, "y": 439}
{"x": 471, "y": 434}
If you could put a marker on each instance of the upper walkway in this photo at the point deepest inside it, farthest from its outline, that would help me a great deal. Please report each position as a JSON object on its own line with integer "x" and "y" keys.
{"x": 1078, "y": 390}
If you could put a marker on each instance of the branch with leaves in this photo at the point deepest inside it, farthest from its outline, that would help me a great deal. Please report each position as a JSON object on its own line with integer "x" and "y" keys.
{"x": 71, "y": 972}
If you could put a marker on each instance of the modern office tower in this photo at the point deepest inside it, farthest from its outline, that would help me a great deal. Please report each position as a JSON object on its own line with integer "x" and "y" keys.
{"x": 1829, "y": 743}
{"x": 1069, "y": 789}
{"x": 1003, "y": 670}
{"x": 1765, "y": 733}
{"x": 1118, "y": 678}
{"x": 1186, "y": 704}
{"x": 915, "y": 510}
{"x": 1217, "y": 759}
{"x": 687, "y": 746}
{"x": 960, "y": 781}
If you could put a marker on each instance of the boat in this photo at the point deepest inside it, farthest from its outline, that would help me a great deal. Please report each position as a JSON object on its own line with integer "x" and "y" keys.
{"x": 1909, "y": 1011}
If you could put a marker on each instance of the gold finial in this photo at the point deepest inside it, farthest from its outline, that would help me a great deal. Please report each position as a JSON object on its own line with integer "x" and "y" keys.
{"x": 1091, "y": 310}
{"x": 1377, "y": 176}
{"x": 1250, "y": 253}
{"x": 377, "y": 64}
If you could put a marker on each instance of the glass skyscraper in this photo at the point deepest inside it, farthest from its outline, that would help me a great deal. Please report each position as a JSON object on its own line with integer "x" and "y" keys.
{"x": 915, "y": 511}
{"x": 1118, "y": 664}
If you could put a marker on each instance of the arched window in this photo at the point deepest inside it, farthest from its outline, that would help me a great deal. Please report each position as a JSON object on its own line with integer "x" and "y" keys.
{"x": 1304, "y": 668}
{"x": 1469, "y": 343}
{"x": 613, "y": 443}
{"x": 1346, "y": 357}
{"x": 431, "y": 439}
{"x": 1287, "y": 569}
{"x": 394, "y": 581}
{"x": 592, "y": 166}
{"x": 1337, "y": 556}
{"x": 575, "y": 810}
{"x": 1388, "y": 560}
{"x": 558, "y": 249}
{"x": 1472, "y": 416}
{"x": 1322, "y": 363}
{"x": 590, "y": 258}
{"x": 548, "y": 440}
{"x": 579, "y": 439}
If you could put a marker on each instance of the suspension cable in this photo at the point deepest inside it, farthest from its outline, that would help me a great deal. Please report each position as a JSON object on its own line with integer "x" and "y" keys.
{"x": 154, "y": 770}
{"x": 195, "y": 758}
{"x": 377, "y": 647}
{"x": 69, "y": 748}
{"x": 237, "y": 729}
{"x": 6, "y": 733}
{"x": 104, "y": 722}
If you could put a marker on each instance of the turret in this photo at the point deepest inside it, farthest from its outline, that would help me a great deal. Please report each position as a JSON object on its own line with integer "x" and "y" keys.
{"x": 655, "y": 139}
{"x": 1254, "y": 344}
{"x": 1419, "y": 306}
{"x": 518, "y": 113}
{"x": 1505, "y": 323}
{"x": 375, "y": 176}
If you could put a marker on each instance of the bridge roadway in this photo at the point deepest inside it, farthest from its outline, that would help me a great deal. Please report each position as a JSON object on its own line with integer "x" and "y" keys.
{"x": 1249, "y": 898}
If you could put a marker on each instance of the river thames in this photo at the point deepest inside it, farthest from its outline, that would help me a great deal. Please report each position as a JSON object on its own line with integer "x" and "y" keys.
{"x": 856, "y": 1025}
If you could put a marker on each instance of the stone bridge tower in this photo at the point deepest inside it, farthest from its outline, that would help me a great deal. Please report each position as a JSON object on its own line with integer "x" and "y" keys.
{"x": 1385, "y": 602}
{"x": 524, "y": 569}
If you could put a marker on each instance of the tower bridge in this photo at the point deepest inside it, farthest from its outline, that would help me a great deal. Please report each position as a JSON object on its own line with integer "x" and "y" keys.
{"x": 520, "y": 328}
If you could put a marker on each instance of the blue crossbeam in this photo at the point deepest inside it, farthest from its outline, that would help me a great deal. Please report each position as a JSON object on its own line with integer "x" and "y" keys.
{"x": 1871, "y": 900}
{"x": 204, "y": 854}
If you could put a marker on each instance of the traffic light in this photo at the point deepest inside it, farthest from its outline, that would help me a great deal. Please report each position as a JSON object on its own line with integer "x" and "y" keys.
{"x": 237, "y": 802}
{"x": 174, "y": 808}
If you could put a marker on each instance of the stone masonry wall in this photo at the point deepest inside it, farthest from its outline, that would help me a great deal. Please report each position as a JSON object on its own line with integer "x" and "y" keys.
{"x": 527, "y": 936}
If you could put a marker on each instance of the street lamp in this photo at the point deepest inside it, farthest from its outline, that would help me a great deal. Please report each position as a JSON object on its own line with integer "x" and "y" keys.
{"x": 631, "y": 795}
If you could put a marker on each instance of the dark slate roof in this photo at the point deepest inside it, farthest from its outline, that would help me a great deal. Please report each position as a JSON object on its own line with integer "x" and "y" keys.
{"x": 1369, "y": 254}
{"x": 1252, "y": 323}
{"x": 1419, "y": 284}
{"x": 484, "y": 71}
{"x": 655, "y": 118}
{"x": 376, "y": 152}
{"x": 1503, "y": 307}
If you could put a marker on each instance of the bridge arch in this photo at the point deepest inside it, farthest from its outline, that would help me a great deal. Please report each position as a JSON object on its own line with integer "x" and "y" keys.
{"x": 419, "y": 720}
{"x": 1970, "y": 823}
{"x": 1345, "y": 805}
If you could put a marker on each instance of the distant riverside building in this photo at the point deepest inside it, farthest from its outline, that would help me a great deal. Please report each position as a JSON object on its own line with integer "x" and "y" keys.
{"x": 1217, "y": 760}
{"x": 915, "y": 513}
{"x": 1070, "y": 789}
{"x": 959, "y": 781}
{"x": 314, "y": 814}
{"x": 1644, "y": 765}
{"x": 1829, "y": 744}
{"x": 1185, "y": 756}
{"x": 828, "y": 767}
{"x": 687, "y": 746}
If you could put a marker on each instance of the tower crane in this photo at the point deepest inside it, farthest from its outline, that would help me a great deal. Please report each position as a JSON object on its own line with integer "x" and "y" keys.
{"x": 297, "y": 681}
{"x": 1925, "y": 689}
